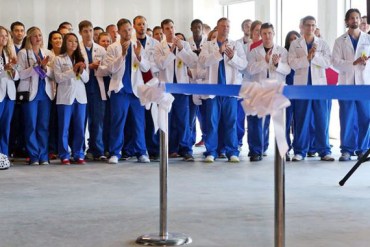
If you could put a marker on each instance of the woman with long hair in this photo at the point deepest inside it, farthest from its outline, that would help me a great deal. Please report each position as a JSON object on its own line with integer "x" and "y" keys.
{"x": 8, "y": 75}
{"x": 36, "y": 76}
{"x": 70, "y": 74}
{"x": 54, "y": 45}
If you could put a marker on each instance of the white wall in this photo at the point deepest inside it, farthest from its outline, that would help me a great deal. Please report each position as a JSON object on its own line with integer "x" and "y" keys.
{"x": 47, "y": 14}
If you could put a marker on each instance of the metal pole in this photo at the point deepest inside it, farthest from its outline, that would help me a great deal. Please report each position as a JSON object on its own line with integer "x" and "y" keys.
{"x": 163, "y": 168}
{"x": 164, "y": 238}
{"x": 279, "y": 199}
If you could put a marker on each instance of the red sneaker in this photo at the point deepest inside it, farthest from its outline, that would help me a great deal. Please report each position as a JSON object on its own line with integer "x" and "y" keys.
{"x": 65, "y": 162}
{"x": 200, "y": 144}
{"x": 80, "y": 161}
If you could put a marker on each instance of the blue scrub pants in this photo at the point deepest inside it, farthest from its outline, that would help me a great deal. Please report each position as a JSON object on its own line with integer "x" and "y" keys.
{"x": 258, "y": 136}
{"x": 123, "y": 104}
{"x": 179, "y": 140}
{"x": 354, "y": 114}
{"x": 36, "y": 121}
{"x": 6, "y": 112}
{"x": 95, "y": 118}
{"x": 75, "y": 116}
{"x": 304, "y": 110}
{"x": 221, "y": 110}
{"x": 240, "y": 123}
{"x": 289, "y": 123}
{"x": 152, "y": 139}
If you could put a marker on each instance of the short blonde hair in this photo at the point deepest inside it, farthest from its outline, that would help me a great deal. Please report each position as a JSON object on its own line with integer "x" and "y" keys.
{"x": 9, "y": 48}
{"x": 31, "y": 32}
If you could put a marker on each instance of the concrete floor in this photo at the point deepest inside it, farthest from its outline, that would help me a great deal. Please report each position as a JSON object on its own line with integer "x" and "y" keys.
{"x": 102, "y": 205}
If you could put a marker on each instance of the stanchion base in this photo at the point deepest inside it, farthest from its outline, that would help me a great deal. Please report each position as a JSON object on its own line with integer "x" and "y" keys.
{"x": 172, "y": 239}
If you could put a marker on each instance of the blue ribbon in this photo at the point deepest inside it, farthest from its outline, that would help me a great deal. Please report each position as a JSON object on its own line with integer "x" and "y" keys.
{"x": 358, "y": 92}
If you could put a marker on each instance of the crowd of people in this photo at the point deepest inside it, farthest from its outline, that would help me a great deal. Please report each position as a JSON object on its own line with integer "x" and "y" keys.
{"x": 50, "y": 94}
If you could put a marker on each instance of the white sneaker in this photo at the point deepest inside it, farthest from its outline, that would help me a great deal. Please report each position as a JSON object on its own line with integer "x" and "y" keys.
{"x": 234, "y": 159}
{"x": 143, "y": 159}
{"x": 113, "y": 160}
{"x": 209, "y": 159}
{"x": 297, "y": 157}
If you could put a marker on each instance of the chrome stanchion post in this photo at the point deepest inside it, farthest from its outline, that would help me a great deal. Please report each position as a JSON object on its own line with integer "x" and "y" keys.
{"x": 164, "y": 238}
{"x": 279, "y": 197}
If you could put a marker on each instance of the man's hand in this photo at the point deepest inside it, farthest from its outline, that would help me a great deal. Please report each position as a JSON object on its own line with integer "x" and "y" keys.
{"x": 311, "y": 52}
{"x": 361, "y": 60}
{"x": 137, "y": 50}
{"x": 178, "y": 43}
{"x": 268, "y": 55}
{"x": 276, "y": 59}
{"x": 229, "y": 51}
{"x": 94, "y": 65}
{"x": 125, "y": 45}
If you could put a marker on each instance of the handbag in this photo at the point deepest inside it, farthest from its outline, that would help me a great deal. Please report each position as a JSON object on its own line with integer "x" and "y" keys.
{"x": 24, "y": 96}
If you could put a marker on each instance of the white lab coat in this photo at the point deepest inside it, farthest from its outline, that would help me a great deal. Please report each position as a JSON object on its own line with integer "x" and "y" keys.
{"x": 344, "y": 55}
{"x": 194, "y": 71}
{"x": 7, "y": 85}
{"x": 258, "y": 67}
{"x": 297, "y": 57}
{"x": 150, "y": 45}
{"x": 246, "y": 47}
{"x": 115, "y": 63}
{"x": 29, "y": 79}
{"x": 210, "y": 57}
{"x": 98, "y": 53}
{"x": 69, "y": 87}
{"x": 184, "y": 59}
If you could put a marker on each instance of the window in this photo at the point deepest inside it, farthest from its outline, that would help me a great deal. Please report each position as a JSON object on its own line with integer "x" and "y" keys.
{"x": 360, "y": 5}
{"x": 237, "y": 13}
{"x": 293, "y": 11}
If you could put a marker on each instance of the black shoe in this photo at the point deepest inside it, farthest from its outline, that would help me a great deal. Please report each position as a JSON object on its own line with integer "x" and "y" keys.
{"x": 154, "y": 158}
{"x": 222, "y": 156}
{"x": 287, "y": 157}
{"x": 311, "y": 154}
{"x": 188, "y": 158}
{"x": 255, "y": 157}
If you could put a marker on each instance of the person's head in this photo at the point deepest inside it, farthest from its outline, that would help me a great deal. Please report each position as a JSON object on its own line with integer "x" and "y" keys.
{"x": 140, "y": 25}
{"x": 363, "y": 25}
{"x": 66, "y": 25}
{"x": 353, "y": 18}
{"x": 63, "y": 30}
{"x": 212, "y": 35}
{"x": 97, "y": 31}
{"x": 33, "y": 38}
{"x": 113, "y": 32}
{"x": 223, "y": 27}
{"x": 317, "y": 32}
{"x": 168, "y": 29}
{"x": 180, "y": 36}
{"x": 246, "y": 27}
{"x": 206, "y": 29}
{"x": 55, "y": 40}
{"x": 85, "y": 29}
{"x": 6, "y": 42}
{"x": 124, "y": 29}
{"x": 292, "y": 35}
{"x": 267, "y": 34}
{"x": 255, "y": 30}
{"x": 196, "y": 28}
{"x": 104, "y": 39}
{"x": 72, "y": 46}
{"x": 309, "y": 25}
{"x": 17, "y": 31}
{"x": 149, "y": 32}
{"x": 157, "y": 33}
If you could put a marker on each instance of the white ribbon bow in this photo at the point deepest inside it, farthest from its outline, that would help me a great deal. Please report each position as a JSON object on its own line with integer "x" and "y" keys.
{"x": 266, "y": 98}
{"x": 152, "y": 95}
